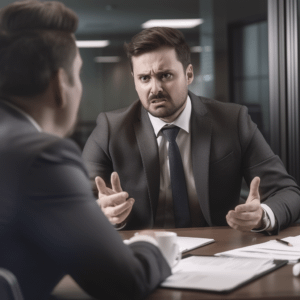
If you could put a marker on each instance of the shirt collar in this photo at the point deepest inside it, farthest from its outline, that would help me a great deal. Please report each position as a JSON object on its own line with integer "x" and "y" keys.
{"x": 182, "y": 121}
{"x": 27, "y": 116}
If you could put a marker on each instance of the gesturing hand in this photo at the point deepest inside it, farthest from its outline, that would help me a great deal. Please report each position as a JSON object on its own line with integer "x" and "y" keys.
{"x": 113, "y": 201}
{"x": 248, "y": 216}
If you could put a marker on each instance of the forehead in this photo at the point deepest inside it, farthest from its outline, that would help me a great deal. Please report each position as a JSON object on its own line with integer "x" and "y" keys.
{"x": 160, "y": 59}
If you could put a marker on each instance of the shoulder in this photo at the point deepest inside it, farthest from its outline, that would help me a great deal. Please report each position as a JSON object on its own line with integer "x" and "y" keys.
{"x": 54, "y": 150}
{"x": 121, "y": 116}
{"x": 36, "y": 147}
{"x": 217, "y": 110}
{"x": 214, "y": 105}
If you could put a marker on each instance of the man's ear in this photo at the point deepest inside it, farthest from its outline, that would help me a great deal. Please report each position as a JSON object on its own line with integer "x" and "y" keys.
{"x": 189, "y": 74}
{"x": 59, "y": 82}
{"x": 132, "y": 74}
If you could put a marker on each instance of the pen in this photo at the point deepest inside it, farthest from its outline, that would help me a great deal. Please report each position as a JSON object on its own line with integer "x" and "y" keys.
{"x": 284, "y": 242}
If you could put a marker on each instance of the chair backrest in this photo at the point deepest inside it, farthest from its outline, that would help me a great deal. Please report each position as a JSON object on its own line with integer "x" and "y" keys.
{"x": 9, "y": 286}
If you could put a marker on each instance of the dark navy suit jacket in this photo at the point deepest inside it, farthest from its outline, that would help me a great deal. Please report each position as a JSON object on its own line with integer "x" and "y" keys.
{"x": 50, "y": 224}
{"x": 225, "y": 144}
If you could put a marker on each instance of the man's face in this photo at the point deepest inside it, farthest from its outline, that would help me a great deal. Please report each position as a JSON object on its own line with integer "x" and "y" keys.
{"x": 161, "y": 82}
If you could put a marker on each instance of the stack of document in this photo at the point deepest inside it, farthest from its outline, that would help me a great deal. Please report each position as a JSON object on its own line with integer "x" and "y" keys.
{"x": 218, "y": 274}
{"x": 271, "y": 249}
{"x": 190, "y": 243}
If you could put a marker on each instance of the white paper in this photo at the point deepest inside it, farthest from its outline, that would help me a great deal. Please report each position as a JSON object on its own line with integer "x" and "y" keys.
{"x": 271, "y": 249}
{"x": 215, "y": 273}
{"x": 189, "y": 243}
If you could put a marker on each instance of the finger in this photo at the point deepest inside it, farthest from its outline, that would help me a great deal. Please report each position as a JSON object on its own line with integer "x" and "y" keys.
{"x": 101, "y": 186}
{"x": 113, "y": 200}
{"x": 239, "y": 225}
{"x": 252, "y": 206}
{"x": 243, "y": 221}
{"x": 115, "y": 182}
{"x": 115, "y": 217}
{"x": 254, "y": 193}
{"x": 121, "y": 218}
{"x": 241, "y": 215}
{"x": 103, "y": 190}
{"x": 119, "y": 209}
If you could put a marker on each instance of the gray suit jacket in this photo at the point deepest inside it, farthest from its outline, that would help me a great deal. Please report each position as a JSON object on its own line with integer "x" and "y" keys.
{"x": 50, "y": 224}
{"x": 226, "y": 146}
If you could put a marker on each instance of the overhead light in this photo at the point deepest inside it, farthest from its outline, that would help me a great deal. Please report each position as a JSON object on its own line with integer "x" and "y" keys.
{"x": 174, "y": 23}
{"x": 196, "y": 49}
{"x": 92, "y": 44}
{"x": 107, "y": 59}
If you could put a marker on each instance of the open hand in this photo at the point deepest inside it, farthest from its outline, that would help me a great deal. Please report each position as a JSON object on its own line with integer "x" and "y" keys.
{"x": 113, "y": 201}
{"x": 248, "y": 216}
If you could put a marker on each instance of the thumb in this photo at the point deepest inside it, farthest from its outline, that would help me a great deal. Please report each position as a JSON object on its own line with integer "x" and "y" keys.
{"x": 115, "y": 182}
{"x": 101, "y": 186}
{"x": 254, "y": 193}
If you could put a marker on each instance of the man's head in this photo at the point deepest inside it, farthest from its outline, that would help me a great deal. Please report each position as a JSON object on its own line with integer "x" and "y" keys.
{"x": 158, "y": 37}
{"x": 162, "y": 70}
{"x": 36, "y": 39}
{"x": 40, "y": 63}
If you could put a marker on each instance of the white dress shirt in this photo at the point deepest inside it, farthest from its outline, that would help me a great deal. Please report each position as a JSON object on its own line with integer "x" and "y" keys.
{"x": 27, "y": 116}
{"x": 164, "y": 215}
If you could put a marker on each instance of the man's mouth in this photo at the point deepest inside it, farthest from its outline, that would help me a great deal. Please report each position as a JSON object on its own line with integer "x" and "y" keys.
{"x": 159, "y": 100}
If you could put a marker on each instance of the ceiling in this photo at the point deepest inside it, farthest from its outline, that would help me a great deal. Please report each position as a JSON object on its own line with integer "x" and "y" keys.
{"x": 103, "y": 18}
{"x": 119, "y": 20}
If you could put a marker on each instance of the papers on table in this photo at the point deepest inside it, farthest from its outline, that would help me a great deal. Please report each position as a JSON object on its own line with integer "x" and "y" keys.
{"x": 189, "y": 243}
{"x": 219, "y": 274}
{"x": 271, "y": 249}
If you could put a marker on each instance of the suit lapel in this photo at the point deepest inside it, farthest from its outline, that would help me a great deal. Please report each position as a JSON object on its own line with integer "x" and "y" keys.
{"x": 149, "y": 152}
{"x": 201, "y": 128}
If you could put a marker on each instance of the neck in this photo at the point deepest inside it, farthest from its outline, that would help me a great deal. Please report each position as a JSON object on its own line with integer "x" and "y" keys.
{"x": 41, "y": 110}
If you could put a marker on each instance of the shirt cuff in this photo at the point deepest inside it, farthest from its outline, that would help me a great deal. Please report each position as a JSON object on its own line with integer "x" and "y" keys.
{"x": 120, "y": 226}
{"x": 269, "y": 221}
{"x": 141, "y": 238}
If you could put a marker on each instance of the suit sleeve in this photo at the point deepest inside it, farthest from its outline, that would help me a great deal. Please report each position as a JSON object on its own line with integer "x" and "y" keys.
{"x": 96, "y": 153}
{"x": 277, "y": 188}
{"x": 61, "y": 217}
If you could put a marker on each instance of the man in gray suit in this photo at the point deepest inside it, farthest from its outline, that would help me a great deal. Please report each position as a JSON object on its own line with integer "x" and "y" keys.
{"x": 50, "y": 223}
{"x": 218, "y": 145}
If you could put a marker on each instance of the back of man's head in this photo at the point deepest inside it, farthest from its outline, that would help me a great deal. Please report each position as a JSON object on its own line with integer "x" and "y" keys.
{"x": 36, "y": 39}
{"x": 157, "y": 37}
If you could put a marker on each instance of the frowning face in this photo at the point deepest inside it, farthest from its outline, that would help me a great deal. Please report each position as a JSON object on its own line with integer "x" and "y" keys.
{"x": 161, "y": 82}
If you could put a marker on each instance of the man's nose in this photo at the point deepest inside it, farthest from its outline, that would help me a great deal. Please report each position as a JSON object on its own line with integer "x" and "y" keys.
{"x": 156, "y": 87}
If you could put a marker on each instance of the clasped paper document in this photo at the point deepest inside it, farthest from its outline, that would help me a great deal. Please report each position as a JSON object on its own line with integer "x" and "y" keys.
{"x": 219, "y": 274}
{"x": 189, "y": 243}
{"x": 271, "y": 249}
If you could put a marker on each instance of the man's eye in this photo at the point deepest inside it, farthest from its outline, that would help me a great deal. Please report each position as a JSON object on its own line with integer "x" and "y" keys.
{"x": 166, "y": 76}
{"x": 144, "y": 78}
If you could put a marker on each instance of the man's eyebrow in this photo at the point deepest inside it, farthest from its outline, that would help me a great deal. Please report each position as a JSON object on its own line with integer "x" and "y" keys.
{"x": 158, "y": 72}
{"x": 143, "y": 74}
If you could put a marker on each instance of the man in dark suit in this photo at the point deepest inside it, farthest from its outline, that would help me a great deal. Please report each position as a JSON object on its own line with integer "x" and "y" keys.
{"x": 50, "y": 223}
{"x": 218, "y": 145}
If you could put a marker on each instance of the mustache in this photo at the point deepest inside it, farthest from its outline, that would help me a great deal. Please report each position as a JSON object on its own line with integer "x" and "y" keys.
{"x": 158, "y": 96}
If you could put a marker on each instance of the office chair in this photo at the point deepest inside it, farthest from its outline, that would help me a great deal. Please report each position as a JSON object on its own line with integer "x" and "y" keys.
{"x": 9, "y": 286}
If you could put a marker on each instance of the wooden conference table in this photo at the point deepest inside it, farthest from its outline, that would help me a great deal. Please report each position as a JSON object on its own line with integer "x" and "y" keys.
{"x": 280, "y": 284}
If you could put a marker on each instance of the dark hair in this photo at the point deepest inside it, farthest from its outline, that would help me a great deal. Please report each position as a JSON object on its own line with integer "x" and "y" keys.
{"x": 157, "y": 37}
{"x": 36, "y": 39}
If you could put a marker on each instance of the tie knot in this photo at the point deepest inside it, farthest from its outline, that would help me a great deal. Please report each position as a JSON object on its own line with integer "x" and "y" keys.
{"x": 170, "y": 133}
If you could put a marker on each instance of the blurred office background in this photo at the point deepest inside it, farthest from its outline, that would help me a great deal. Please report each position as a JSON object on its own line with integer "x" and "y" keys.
{"x": 243, "y": 51}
